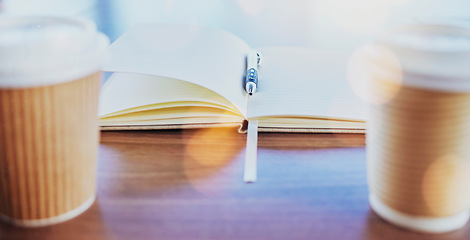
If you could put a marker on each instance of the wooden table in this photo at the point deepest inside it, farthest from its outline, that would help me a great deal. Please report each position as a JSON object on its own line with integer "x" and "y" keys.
{"x": 188, "y": 185}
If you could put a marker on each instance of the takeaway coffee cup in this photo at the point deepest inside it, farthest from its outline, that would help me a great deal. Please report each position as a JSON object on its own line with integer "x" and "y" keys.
{"x": 49, "y": 87}
{"x": 418, "y": 133}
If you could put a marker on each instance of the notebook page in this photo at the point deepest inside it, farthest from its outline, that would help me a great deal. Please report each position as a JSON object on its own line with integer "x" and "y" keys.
{"x": 305, "y": 82}
{"x": 208, "y": 57}
{"x": 125, "y": 91}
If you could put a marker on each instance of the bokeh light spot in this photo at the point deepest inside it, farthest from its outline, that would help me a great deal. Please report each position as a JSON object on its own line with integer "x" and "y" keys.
{"x": 375, "y": 74}
{"x": 445, "y": 185}
{"x": 252, "y": 7}
{"x": 212, "y": 146}
{"x": 208, "y": 154}
{"x": 359, "y": 16}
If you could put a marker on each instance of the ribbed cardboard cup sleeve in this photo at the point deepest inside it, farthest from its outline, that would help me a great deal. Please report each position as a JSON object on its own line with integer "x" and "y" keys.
{"x": 417, "y": 160}
{"x": 48, "y": 149}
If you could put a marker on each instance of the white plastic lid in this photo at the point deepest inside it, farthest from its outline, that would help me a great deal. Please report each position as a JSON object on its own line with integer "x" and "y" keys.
{"x": 39, "y": 51}
{"x": 433, "y": 56}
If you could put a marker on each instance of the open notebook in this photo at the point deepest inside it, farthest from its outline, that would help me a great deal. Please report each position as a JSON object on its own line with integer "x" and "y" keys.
{"x": 169, "y": 76}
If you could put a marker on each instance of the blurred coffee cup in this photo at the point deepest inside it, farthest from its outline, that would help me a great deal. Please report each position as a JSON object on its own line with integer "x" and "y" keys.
{"x": 418, "y": 133}
{"x": 49, "y": 86}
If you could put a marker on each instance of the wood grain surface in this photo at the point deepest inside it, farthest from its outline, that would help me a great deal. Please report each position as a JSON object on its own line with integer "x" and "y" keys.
{"x": 188, "y": 185}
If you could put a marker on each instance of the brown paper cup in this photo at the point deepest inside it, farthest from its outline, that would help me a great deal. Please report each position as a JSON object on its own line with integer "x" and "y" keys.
{"x": 418, "y": 157}
{"x": 418, "y": 131}
{"x": 48, "y": 149}
{"x": 49, "y": 85}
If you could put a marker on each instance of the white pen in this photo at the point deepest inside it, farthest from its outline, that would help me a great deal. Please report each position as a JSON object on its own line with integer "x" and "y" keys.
{"x": 251, "y": 80}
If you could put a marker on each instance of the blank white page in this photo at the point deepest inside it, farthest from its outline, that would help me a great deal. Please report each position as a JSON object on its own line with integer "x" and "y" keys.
{"x": 305, "y": 82}
{"x": 208, "y": 57}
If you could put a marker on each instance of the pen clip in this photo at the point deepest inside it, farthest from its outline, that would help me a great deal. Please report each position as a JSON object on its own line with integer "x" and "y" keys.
{"x": 260, "y": 58}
